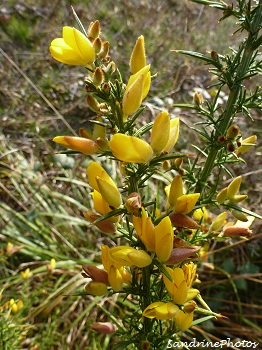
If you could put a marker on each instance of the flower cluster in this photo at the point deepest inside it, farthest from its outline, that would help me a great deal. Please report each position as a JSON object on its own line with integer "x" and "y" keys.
{"x": 152, "y": 246}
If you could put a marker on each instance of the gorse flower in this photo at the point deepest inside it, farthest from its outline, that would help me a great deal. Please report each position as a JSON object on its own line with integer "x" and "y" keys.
{"x": 73, "y": 48}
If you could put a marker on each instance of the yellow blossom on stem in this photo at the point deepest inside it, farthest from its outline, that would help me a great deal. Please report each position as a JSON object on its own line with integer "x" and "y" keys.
{"x": 246, "y": 144}
{"x": 101, "y": 206}
{"x": 26, "y": 274}
{"x": 183, "y": 320}
{"x": 161, "y": 310}
{"x": 233, "y": 187}
{"x": 173, "y": 135}
{"x": 138, "y": 56}
{"x": 175, "y": 190}
{"x": 164, "y": 236}
{"x": 160, "y": 132}
{"x": 128, "y": 256}
{"x": 219, "y": 221}
{"x": 133, "y": 96}
{"x": 74, "y": 48}
{"x": 102, "y": 183}
{"x": 145, "y": 230}
{"x": 185, "y": 203}
{"x": 80, "y": 144}
{"x": 179, "y": 289}
{"x": 130, "y": 149}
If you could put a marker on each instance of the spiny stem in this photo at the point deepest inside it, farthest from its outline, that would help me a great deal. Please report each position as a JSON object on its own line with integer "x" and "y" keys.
{"x": 230, "y": 109}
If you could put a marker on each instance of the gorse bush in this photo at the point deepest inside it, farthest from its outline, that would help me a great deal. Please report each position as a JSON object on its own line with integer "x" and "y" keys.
{"x": 155, "y": 244}
{"x": 154, "y": 210}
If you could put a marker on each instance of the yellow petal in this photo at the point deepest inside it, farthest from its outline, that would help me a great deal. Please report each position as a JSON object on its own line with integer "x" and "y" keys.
{"x": 109, "y": 192}
{"x": 164, "y": 236}
{"x": 185, "y": 203}
{"x": 138, "y": 56}
{"x": 95, "y": 170}
{"x": 173, "y": 135}
{"x": 184, "y": 320}
{"x": 160, "y": 132}
{"x": 133, "y": 96}
{"x": 175, "y": 190}
{"x": 130, "y": 149}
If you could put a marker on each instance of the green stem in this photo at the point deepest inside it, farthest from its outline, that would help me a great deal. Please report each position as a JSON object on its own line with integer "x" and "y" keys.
{"x": 230, "y": 109}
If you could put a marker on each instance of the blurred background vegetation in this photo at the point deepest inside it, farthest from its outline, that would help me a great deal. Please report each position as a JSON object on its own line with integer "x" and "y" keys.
{"x": 43, "y": 193}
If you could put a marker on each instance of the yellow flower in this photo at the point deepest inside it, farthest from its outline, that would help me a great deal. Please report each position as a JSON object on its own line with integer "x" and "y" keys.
{"x": 128, "y": 256}
{"x": 246, "y": 144}
{"x": 101, "y": 206}
{"x": 26, "y": 274}
{"x": 179, "y": 289}
{"x": 102, "y": 183}
{"x": 136, "y": 90}
{"x": 183, "y": 320}
{"x": 117, "y": 275}
{"x": 164, "y": 236}
{"x": 219, "y": 221}
{"x": 161, "y": 311}
{"x": 185, "y": 203}
{"x": 80, "y": 144}
{"x": 138, "y": 56}
{"x": 130, "y": 149}
{"x": 175, "y": 190}
{"x": 145, "y": 230}
{"x": 173, "y": 135}
{"x": 160, "y": 132}
{"x": 74, "y": 48}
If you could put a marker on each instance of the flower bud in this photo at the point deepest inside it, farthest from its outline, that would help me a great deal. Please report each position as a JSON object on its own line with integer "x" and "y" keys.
{"x": 104, "y": 50}
{"x": 190, "y": 306}
{"x": 239, "y": 215}
{"x": 235, "y": 231}
{"x": 93, "y": 104}
{"x": 80, "y": 144}
{"x": 166, "y": 165}
{"x": 232, "y": 132}
{"x": 104, "y": 327}
{"x": 96, "y": 288}
{"x": 198, "y": 98}
{"x": 219, "y": 221}
{"x": 133, "y": 203}
{"x": 98, "y": 76}
{"x": 97, "y": 44}
{"x": 94, "y": 29}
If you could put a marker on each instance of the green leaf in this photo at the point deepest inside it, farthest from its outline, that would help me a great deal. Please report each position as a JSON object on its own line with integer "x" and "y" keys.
{"x": 200, "y": 56}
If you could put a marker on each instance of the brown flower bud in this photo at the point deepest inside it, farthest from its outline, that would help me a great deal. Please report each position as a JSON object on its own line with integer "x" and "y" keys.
{"x": 105, "y": 49}
{"x": 234, "y": 231}
{"x": 97, "y": 43}
{"x": 94, "y": 30}
{"x": 104, "y": 327}
{"x": 98, "y": 76}
{"x": 198, "y": 98}
{"x": 133, "y": 203}
{"x": 105, "y": 226}
{"x": 232, "y": 132}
